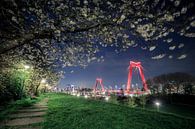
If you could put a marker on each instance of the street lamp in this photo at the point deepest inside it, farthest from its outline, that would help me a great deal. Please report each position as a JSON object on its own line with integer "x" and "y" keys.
{"x": 157, "y": 105}
{"x": 43, "y": 81}
{"x": 106, "y": 98}
{"x": 86, "y": 96}
{"x": 26, "y": 67}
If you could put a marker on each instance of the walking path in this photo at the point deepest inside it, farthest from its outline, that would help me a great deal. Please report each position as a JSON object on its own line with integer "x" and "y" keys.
{"x": 28, "y": 118}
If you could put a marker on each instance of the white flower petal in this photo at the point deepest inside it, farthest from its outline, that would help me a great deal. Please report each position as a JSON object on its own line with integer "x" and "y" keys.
{"x": 172, "y": 47}
{"x": 181, "y": 45}
{"x": 152, "y": 48}
{"x": 159, "y": 56}
{"x": 170, "y": 56}
{"x": 182, "y": 57}
{"x": 192, "y": 23}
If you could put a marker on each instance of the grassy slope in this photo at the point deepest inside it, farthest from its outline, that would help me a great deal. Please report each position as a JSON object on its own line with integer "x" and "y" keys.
{"x": 67, "y": 112}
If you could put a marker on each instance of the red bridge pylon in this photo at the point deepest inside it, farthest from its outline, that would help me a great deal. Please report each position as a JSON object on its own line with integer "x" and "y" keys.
{"x": 98, "y": 81}
{"x": 138, "y": 66}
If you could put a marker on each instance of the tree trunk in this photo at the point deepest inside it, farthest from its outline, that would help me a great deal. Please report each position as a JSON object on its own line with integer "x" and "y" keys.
{"x": 36, "y": 90}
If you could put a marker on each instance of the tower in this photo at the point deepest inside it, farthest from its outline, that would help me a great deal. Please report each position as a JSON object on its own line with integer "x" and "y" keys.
{"x": 98, "y": 81}
{"x": 138, "y": 66}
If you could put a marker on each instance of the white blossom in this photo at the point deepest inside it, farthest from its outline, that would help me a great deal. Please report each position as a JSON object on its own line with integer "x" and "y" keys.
{"x": 192, "y": 35}
{"x": 182, "y": 57}
{"x": 183, "y": 10}
{"x": 192, "y": 23}
{"x": 172, "y": 47}
{"x": 181, "y": 45}
{"x": 152, "y": 48}
{"x": 159, "y": 56}
{"x": 177, "y": 2}
{"x": 170, "y": 56}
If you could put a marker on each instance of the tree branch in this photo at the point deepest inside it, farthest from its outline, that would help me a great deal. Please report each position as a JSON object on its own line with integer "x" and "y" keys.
{"x": 26, "y": 39}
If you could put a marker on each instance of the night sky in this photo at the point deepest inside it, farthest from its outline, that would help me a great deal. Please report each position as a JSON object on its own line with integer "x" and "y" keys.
{"x": 114, "y": 69}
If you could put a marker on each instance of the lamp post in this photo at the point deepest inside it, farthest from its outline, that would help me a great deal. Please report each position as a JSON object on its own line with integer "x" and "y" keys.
{"x": 106, "y": 98}
{"x": 86, "y": 96}
{"x": 157, "y": 105}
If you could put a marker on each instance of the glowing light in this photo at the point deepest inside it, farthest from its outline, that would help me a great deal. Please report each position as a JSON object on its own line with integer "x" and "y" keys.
{"x": 107, "y": 98}
{"x": 78, "y": 95}
{"x": 26, "y": 66}
{"x": 43, "y": 81}
{"x": 86, "y": 96}
{"x": 157, "y": 104}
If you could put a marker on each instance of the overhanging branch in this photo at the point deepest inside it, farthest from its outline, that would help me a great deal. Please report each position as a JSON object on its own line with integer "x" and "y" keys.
{"x": 45, "y": 34}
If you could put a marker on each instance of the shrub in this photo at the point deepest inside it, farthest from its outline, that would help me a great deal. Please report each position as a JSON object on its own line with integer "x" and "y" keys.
{"x": 113, "y": 99}
{"x": 143, "y": 100}
{"x": 131, "y": 102}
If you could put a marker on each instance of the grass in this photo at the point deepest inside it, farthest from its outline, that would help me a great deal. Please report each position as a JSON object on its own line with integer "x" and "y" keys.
{"x": 68, "y": 112}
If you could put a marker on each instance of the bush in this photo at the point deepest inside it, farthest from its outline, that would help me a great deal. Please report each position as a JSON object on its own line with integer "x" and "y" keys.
{"x": 11, "y": 87}
{"x": 143, "y": 100}
{"x": 122, "y": 99}
{"x": 131, "y": 102}
{"x": 113, "y": 99}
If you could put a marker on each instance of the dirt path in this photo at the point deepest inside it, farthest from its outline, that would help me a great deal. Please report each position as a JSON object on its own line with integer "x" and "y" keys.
{"x": 28, "y": 118}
